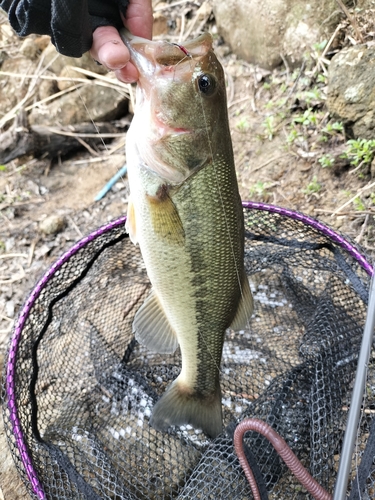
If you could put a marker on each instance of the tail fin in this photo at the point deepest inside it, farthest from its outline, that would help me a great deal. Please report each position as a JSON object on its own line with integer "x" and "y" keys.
{"x": 179, "y": 406}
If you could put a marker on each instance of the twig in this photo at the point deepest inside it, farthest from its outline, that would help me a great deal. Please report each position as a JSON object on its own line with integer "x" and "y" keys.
{"x": 268, "y": 162}
{"x": 192, "y": 25}
{"x": 106, "y": 79}
{"x": 302, "y": 68}
{"x": 182, "y": 29}
{"x": 21, "y": 203}
{"x": 169, "y": 6}
{"x": 286, "y": 65}
{"x": 353, "y": 198}
{"x": 357, "y": 212}
{"x": 230, "y": 87}
{"x": 32, "y": 250}
{"x": 363, "y": 228}
{"x": 326, "y": 48}
{"x": 90, "y": 160}
{"x": 238, "y": 101}
{"x": 30, "y": 92}
{"x": 87, "y": 146}
{"x": 45, "y": 77}
{"x": 357, "y": 168}
{"x": 76, "y": 135}
{"x": 5, "y": 317}
{"x": 75, "y": 226}
{"x": 12, "y": 255}
{"x": 53, "y": 97}
{"x": 15, "y": 278}
{"x": 352, "y": 20}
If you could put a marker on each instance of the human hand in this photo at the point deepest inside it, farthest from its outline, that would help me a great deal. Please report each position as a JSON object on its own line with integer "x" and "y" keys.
{"x": 108, "y": 48}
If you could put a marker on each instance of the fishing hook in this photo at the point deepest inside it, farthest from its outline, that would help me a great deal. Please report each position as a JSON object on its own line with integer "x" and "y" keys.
{"x": 182, "y": 48}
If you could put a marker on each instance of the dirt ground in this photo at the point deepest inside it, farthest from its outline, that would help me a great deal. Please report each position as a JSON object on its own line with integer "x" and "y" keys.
{"x": 277, "y": 155}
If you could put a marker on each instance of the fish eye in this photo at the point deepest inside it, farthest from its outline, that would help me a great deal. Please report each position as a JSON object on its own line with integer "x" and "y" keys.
{"x": 206, "y": 84}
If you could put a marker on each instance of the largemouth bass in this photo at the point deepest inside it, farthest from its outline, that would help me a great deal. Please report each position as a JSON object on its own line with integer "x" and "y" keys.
{"x": 186, "y": 215}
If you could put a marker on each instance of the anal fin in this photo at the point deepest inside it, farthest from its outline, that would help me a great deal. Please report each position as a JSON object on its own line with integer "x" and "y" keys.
{"x": 245, "y": 307}
{"x": 152, "y": 328}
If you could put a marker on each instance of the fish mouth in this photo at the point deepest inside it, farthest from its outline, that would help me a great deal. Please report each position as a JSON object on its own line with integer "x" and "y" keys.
{"x": 167, "y": 129}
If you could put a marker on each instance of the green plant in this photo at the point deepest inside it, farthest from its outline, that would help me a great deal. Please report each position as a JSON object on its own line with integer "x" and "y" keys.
{"x": 243, "y": 124}
{"x": 308, "y": 118}
{"x": 321, "y": 78}
{"x": 327, "y": 161}
{"x": 359, "y": 204}
{"x": 333, "y": 128}
{"x": 320, "y": 46}
{"x": 269, "y": 125}
{"x": 312, "y": 187}
{"x": 360, "y": 151}
{"x": 292, "y": 136}
{"x": 315, "y": 94}
{"x": 2, "y": 168}
{"x": 259, "y": 189}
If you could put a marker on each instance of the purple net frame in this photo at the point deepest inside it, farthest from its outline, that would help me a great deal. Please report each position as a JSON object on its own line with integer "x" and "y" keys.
{"x": 32, "y": 476}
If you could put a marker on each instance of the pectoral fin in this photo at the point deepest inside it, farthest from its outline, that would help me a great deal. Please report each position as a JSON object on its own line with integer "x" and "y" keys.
{"x": 245, "y": 307}
{"x": 152, "y": 328}
{"x": 165, "y": 219}
{"x": 130, "y": 225}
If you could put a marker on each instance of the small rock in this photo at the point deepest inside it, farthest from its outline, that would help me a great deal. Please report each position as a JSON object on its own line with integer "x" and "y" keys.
{"x": 260, "y": 30}
{"x": 29, "y": 48}
{"x": 70, "y": 73}
{"x": 56, "y": 62}
{"x": 351, "y": 90}
{"x": 160, "y": 26}
{"x": 105, "y": 104}
{"x": 42, "y": 42}
{"x": 9, "y": 308}
{"x": 32, "y": 187}
{"x": 16, "y": 88}
{"x": 52, "y": 224}
{"x": 204, "y": 11}
{"x": 42, "y": 251}
{"x": 46, "y": 88}
{"x": 9, "y": 244}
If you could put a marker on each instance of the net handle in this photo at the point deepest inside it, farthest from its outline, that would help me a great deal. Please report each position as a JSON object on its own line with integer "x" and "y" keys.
{"x": 356, "y": 400}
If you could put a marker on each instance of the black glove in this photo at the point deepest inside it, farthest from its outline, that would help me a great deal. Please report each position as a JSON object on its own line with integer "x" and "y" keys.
{"x": 70, "y": 23}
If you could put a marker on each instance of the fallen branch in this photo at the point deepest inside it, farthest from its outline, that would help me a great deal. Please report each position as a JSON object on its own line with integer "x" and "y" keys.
{"x": 22, "y": 139}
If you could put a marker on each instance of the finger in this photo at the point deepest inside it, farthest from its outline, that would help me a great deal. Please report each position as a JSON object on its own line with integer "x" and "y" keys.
{"x": 108, "y": 48}
{"x": 128, "y": 74}
{"x": 139, "y": 19}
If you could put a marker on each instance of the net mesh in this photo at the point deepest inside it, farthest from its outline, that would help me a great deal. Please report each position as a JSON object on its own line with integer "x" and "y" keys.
{"x": 80, "y": 390}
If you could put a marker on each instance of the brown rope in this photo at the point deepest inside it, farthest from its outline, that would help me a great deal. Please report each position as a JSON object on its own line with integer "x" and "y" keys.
{"x": 291, "y": 460}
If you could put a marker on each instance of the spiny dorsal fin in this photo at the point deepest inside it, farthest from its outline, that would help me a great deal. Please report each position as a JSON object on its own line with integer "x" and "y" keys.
{"x": 245, "y": 307}
{"x": 152, "y": 328}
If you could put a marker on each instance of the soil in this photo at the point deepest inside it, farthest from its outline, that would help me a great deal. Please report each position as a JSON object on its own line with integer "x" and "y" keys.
{"x": 269, "y": 168}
